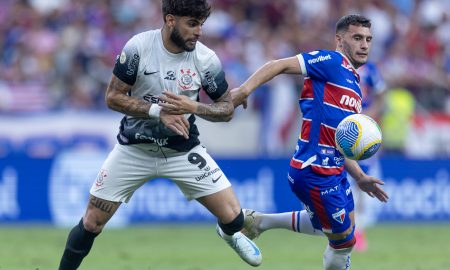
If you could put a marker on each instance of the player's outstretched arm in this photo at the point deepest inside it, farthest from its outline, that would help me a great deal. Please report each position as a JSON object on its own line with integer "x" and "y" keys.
{"x": 220, "y": 111}
{"x": 366, "y": 183}
{"x": 264, "y": 74}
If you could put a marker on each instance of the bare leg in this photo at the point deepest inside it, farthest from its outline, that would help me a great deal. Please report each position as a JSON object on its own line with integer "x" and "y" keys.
{"x": 82, "y": 236}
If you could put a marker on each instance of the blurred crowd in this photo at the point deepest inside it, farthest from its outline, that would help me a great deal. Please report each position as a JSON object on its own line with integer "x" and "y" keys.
{"x": 58, "y": 54}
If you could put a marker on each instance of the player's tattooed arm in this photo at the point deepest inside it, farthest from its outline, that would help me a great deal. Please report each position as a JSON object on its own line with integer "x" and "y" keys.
{"x": 220, "y": 111}
{"x": 117, "y": 99}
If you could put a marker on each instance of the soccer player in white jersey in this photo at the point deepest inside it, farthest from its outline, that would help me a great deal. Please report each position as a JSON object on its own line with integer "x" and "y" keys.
{"x": 155, "y": 83}
{"x": 318, "y": 171}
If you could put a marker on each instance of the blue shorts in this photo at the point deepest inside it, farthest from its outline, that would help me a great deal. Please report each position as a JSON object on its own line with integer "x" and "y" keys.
{"x": 327, "y": 198}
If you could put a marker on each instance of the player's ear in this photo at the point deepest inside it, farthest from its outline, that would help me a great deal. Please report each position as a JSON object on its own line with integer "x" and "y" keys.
{"x": 170, "y": 20}
{"x": 338, "y": 39}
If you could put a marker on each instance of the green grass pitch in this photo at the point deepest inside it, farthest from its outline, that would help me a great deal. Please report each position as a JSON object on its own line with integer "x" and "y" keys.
{"x": 197, "y": 247}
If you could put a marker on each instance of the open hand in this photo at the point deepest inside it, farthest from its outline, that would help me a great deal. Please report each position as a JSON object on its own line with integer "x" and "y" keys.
{"x": 175, "y": 122}
{"x": 176, "y": 104}
{"x": 371, "y": 186}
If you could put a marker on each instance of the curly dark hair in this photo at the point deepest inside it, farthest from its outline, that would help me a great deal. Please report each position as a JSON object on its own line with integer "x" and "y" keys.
{"x": 357, "y": 20}
{"x": 199, "y": 9}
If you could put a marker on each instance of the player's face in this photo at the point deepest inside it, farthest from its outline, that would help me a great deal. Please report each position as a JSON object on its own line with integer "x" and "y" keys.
{"x": 355, "y": 44}
{"x": 186, "y": 32}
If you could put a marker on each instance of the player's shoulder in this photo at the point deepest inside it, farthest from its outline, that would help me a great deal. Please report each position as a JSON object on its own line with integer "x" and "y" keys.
{"x": 203, "y": 52}
{"x": 145, "y": 38}
{"x": 322, "y": 58}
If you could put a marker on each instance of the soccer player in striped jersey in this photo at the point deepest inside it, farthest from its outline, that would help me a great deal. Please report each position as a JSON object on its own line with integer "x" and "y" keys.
{"x": 318, "y": 171}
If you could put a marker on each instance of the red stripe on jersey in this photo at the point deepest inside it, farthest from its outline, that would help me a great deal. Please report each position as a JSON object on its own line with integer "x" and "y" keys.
{"x": 327, "y": 170}
{"x": 319, "y": 208}
{"x": 341, "y": 97}
{"x": 296, "y": 164}
{"x": 306, "y": 129}
{"x": 327, "y": 136}
{"x": 307, "y": 91}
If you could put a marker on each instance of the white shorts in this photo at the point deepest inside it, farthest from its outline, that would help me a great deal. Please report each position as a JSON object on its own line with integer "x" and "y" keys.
{"x": 129, "y": 166}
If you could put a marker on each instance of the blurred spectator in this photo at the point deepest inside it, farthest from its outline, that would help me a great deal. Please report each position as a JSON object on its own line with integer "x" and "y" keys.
{"x": 57, "y": 55}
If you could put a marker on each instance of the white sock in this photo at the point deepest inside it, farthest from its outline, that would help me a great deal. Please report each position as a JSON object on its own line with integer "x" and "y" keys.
{"x": 276, "y": 221}
{"x": 305, "y": 225}
{"x": 336, "y": 259}
{"x": 297, "y": 221}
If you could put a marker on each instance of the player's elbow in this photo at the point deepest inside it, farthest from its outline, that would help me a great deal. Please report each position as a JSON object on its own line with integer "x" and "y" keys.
{"x": 228, "y": 116}
{"x": 110, "y": 100}
{"x": 229, "y": 112}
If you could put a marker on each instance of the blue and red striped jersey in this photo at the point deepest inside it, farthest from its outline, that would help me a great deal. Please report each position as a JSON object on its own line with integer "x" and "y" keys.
{"x": 330, "y": 93}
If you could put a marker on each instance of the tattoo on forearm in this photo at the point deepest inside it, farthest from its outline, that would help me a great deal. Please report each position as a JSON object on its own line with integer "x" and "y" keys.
{"x": 103, "y": 205}
{"x": 131, "y": 106}
{"x": 123, "y": 103}
{"x": 219, "y": 111}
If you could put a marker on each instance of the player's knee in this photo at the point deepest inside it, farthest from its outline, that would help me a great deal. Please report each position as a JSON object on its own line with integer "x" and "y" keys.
{"x": 93, "y": 225}
{"x": 343, "y": 240}
{"x": 234, "y": 226}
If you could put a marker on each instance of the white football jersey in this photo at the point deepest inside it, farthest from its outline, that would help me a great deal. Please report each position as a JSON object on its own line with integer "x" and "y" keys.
{"x": 150, "y": 69}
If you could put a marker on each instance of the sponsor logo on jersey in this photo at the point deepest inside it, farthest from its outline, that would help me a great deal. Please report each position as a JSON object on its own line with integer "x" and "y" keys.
{"x": 150, "y": 73}
{"x": 212, "y": 85}
{"x": 207, "y": 174}
{"x": 132, "y": 64}
{"x": 351, "y": 102}
{"x": 160, "y": 142}
{"x": 170, "y": 76}
{"x": 339, "y": 160}
{"x": 330, "y": 190}
{"x": 327, "y": 151}
{"x": 348, "y": 191}
{"x": 186, "y": 81}
{"x": 216, "y": 179}
{"x": 339, "y": 216}
{"x": 152, "y": 99}
{"x": 320, "y": 58}
{"x": 325, "y": 161}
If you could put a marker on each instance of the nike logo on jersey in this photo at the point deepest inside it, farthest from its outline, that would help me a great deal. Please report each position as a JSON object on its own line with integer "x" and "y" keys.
{"x": 217, "y": 179}
{"x": 149, "y": 73}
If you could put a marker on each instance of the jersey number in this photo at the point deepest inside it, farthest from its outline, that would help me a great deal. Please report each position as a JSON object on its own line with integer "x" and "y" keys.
{"x": 196, "y": 159}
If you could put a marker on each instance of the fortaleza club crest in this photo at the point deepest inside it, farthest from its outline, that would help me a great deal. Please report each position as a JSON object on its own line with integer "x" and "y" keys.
{"x": 340, "y": 216}
{"x": 186, "y": 80}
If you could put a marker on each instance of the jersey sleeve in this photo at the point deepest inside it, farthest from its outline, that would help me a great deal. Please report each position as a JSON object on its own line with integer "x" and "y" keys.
{"x": 127, "y": 63}
{"x": 213, "y": 78}
{"x": 319, "y": 65}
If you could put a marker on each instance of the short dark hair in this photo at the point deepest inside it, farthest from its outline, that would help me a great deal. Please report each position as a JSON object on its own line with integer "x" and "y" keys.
{"x": 357, "y": 20}
{"x": 199, "y": 9}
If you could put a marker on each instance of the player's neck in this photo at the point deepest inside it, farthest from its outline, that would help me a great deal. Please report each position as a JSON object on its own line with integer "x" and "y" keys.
{"x": 354, "y": 65}
{"x": 167, "y": 42}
